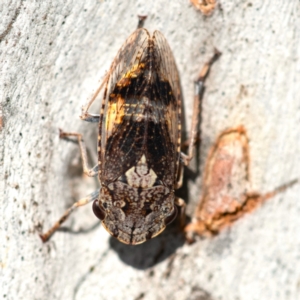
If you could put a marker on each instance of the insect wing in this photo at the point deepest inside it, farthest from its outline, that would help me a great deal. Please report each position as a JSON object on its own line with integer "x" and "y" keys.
{"x": 168, "y": 73}
{"x": 113, "y": 108}
{"x": 141, "y": 109}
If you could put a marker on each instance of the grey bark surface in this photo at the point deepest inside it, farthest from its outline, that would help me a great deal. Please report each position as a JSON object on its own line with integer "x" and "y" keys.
{"x": 53, "y": 55}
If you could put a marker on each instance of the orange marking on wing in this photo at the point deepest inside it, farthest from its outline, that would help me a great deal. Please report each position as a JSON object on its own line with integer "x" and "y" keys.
{"x": 115, "y": 113}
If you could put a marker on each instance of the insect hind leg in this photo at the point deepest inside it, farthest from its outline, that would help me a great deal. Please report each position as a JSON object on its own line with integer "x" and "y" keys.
{"x": 91, "y": 197}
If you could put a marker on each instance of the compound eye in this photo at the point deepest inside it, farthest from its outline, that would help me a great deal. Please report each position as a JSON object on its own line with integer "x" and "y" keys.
{"x": 172, "y": 216}
{"x": 98, "y": 211}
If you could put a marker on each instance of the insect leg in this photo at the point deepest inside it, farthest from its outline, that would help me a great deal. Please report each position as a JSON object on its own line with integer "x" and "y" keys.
{"x": 180, "y": 177}
{"x": 91, "y": 197}
{"x": 89, "y": 172}
{"x": 85, "y": 115}
{"x": 182, "y": 205}
{"x": 92, "y": 118}
{"x": 199, "y": 88}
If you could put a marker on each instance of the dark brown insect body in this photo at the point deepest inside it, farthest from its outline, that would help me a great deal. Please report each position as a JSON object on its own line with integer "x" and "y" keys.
{"x": 139, "y": 139}
{"x": 139, "y": 160}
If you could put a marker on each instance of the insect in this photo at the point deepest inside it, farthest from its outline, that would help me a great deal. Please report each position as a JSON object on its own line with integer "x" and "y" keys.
{"x": 140, "y": 163}
{"x": 227, "y": 194}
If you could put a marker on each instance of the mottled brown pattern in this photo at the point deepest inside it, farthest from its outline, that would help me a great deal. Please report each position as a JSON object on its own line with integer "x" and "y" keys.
{"x": 139, "y": 142}
{"x": 140, "y": 134}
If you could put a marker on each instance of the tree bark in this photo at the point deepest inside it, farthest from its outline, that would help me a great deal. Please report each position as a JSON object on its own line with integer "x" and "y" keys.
{"x": 53, "y": 56}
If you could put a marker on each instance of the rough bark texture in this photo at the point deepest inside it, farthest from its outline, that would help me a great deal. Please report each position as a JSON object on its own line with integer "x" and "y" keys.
{"x": 53, "y": 56}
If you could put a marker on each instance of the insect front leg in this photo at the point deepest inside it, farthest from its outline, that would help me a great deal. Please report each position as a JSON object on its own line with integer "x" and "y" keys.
{"x": 92, "y": 197}
{"x": 94, "y": 118}
{"x": 85, "y": 115}
{"x": 89, "y": 172}
{"x": 199, "y": 88}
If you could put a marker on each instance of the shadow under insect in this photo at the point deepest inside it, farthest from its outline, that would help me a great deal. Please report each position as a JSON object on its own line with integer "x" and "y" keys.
{"x": 156, "y": 250}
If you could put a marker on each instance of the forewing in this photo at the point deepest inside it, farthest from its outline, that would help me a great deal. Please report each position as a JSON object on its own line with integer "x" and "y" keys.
{"x": 167, "y": 71}
{"x": 141, "y": 111}
{"x": 113, "y": 108}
